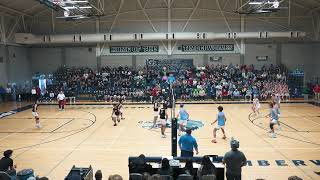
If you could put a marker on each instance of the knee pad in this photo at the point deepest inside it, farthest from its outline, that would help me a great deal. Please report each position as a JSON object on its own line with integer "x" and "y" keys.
{"x": 271, "y": 126}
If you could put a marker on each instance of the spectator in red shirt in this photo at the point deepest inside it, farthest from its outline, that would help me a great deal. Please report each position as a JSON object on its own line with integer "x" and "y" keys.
{"x": 316, "y": 90}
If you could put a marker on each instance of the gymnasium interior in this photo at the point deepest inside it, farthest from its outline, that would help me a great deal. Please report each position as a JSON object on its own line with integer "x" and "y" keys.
{"x": 96, "y": 89}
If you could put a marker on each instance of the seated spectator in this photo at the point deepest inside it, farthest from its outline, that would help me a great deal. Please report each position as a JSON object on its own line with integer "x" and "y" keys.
{"x": 98, "y": 175}
{"x": 155, "y": 177}
{"x": 165, "y": 168}
{"x": 236, "y": 94}
{"x": 115, "y": 177}
{"x": 6, "y": 164}
{"x": 294, "y": 178}
{"x": 206, "y": 168}
{"x": 140, "y": 166}
{"x": 42, "y": 178}
{"x": 188, "y": 169}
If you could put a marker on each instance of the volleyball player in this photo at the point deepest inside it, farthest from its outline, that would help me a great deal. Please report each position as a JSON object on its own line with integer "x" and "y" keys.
{"x": 163, "y": 120}
{"x": 61, "y": 100}
{"x": 256, "y": 105}
{"x": 276, "y": 105}
{"x": 273, "y": 118}
{"x": 115, "y": 114}
{"x": 35, "y": 114}
{"x": 120, "y": 105}
{"x": 184, "y": 117}
{"x": 221, "y": 118}
{"x": 156, "y": 106}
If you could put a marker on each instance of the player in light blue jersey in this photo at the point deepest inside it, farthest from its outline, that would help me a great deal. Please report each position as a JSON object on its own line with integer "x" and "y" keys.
{"x": 274, "y": 118}
{"x": 183, "y": 120}
{"x": 221, "y": 119}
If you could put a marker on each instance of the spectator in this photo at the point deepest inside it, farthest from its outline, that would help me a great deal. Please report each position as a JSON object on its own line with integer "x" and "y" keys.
{"x": 155, "y": 177}
{"x": 187, "y": 143}
{"x": 234, "y": 160}
{"x": 6, "y": 164}
{"x": 165, "y": 168}
{"x": 115, "y": 177}
{"x": 294, "y": 178}
{"x": 206, "y": 168}
{"x": 188, "y": 169}
{"x": 98, "y": 175}
{"x": 316, "y": 90}
{"x": 42, "y": 178}
{"x": 140, "y": 165}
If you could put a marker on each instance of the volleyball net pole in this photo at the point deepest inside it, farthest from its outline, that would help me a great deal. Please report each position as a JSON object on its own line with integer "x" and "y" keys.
{"x": 174, "y": 123}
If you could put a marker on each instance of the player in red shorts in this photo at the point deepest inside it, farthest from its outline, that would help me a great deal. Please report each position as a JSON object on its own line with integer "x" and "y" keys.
{"x": 61, "y": 100}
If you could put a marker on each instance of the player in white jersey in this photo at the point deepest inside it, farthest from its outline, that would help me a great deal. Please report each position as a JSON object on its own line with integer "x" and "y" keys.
{"x": 35, "y": 114}
{"x": 256, "y": 105}
{"x": 120, "y": 109}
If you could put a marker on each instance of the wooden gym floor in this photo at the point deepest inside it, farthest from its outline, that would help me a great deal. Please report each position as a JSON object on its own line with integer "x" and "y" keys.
{"x": 84, "y": 135}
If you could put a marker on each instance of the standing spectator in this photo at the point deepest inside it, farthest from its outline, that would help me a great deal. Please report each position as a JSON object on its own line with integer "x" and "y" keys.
{"x": 187, "y": 143}
{"x": 316, "y": 90}
{"x": 61, "y": 100}
{"x": 38, "y": 92}
{"x": 51, "y": 96}
{"x": 206, "y": 168}
{"x": 234, "y": 160}
{"x": 6, "y": 164}
{"x": 33, "y": 94}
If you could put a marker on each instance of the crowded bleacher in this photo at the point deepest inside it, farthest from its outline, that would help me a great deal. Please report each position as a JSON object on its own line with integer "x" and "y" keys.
{"x": 219, "y": 82}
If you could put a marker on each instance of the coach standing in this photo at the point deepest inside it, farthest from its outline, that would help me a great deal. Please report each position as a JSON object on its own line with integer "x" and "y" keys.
{"x": 187, "y": 143}
{"x": 61, "y": 100}
{"x": 234, "y": 161}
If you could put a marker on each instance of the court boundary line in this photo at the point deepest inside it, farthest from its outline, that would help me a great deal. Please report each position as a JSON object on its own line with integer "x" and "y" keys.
{"x": 275, "y": 149}
{"x": 57, "y": 139}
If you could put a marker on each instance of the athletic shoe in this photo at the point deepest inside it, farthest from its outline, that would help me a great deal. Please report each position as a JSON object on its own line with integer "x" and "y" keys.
{"x": 179, "y": 134}
{"x": 39, "y": 126}
{"x": 115, "y": 125}
{"x": 273, "y": 135}
{"x": 279, "y": 128}
{"x": 118, "y": 120}
{"x": 163, "y": 136}
{"x": 224, "y": 137}
{"x": 214, "y": 141}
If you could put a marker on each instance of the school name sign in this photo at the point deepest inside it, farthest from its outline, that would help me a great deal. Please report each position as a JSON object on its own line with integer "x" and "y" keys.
{"x": 134, "y": 49}
{"x": 206, "y": 47}
{"x": 283, "y": 163}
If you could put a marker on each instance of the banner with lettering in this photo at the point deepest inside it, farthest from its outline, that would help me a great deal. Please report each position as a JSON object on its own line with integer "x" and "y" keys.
{"x": 134, "y": 49}
{"x": 206, "y": 47}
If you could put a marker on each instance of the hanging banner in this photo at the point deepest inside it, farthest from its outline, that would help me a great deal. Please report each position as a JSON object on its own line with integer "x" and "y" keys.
{"x": 206, "y": 47}
{"x": 134, "y": 49}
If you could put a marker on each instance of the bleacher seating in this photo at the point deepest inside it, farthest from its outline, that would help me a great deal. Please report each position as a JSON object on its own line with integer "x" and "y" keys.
{"x": 196, "y": 83}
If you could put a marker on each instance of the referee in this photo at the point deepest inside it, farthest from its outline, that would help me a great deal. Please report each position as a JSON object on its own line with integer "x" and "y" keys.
{"x": 187, "y": 143}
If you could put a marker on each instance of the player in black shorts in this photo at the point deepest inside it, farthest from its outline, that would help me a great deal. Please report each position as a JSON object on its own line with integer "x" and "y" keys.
{"x": 166, "y": 106}
{"x": 115, "y": 114}
{"x": 156, "y": 106}
{"x": 163, "y": 120}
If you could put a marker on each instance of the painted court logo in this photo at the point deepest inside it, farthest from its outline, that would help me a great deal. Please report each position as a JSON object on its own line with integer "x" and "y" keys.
{"x": 192, "y": 124}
